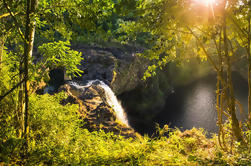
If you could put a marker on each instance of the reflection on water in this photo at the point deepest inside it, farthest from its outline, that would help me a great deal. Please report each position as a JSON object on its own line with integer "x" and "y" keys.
{"x": 192, "y": 105}
{"x": 199, "y": 104}
{"x": 195, "y": 107}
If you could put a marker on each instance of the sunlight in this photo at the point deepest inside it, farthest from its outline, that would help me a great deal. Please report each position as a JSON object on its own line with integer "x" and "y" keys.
{"x": 206, "y": 2}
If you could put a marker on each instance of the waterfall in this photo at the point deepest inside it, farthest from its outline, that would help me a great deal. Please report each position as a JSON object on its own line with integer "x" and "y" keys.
{"x": 114, "y": 103}
{"x": 110, "y": 97}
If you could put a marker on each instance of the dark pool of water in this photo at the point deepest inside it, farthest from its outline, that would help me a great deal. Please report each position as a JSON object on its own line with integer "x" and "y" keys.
{"x": 192, "y": 105}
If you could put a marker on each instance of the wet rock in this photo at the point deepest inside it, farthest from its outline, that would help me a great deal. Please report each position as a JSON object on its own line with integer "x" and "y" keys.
{"x": 95, "y": 111}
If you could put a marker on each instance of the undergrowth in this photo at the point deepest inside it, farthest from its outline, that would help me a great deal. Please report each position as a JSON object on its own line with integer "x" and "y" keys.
{"x": 57, "y": 138}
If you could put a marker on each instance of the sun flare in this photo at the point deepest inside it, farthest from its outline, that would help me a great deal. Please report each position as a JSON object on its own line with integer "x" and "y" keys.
{"x": 206, "y": 2}
{"x": 210, "y": 1}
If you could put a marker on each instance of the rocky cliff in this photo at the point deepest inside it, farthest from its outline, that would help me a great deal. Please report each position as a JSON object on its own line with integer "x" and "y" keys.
{"x": 95, "y": 110}
{"x": 120, "y": 68}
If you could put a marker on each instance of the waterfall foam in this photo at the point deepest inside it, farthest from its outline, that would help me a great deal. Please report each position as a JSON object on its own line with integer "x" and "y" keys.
{"x": 110, "y": 97}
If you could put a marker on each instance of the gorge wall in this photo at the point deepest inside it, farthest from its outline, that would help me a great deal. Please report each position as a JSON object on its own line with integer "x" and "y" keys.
{"x": 121, "y": 70}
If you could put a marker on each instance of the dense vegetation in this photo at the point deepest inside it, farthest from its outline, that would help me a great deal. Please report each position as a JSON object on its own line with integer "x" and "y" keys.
{"x": 40, "y": 35}
{"x": 56, "y": 138}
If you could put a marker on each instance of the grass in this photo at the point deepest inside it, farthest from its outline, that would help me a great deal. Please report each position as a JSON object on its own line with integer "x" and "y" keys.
{"x": 57, "y": 138}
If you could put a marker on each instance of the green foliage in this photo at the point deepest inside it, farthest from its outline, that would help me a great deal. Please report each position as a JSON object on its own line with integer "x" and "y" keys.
{"x": 8, "y": 71}
{"x": 178, "y": 33}
{"x": 10, "y": 143}
{"x": 54, "y": 129}
{"x": 56, "y": 138}
{"x": 59, "y": 55}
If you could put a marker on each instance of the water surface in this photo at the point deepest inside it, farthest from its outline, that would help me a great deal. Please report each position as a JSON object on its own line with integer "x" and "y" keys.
{"x": 191, "y": 105}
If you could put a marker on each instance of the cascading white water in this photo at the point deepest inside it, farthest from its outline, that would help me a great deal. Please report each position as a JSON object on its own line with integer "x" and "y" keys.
{"x": 110, "y": 97}
{"x": 114, "y": 103}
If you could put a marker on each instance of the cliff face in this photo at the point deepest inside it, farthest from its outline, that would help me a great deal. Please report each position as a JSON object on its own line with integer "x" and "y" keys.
{"x": 121, "y": 69}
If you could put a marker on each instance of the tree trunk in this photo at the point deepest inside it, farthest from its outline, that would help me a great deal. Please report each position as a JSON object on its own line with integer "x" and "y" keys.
{"x": 219, "y": 92}
{"x": 1, "y": 51}
{"x": 231, "y": 98}
{"x": 249, "y": 73}
{"x": 28, "y": 48}
{"x": 20, "y": 106}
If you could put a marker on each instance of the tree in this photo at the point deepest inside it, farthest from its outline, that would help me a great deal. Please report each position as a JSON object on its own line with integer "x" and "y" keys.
{"x": 240, "y": 19}
{"x": 31, "y": 6}
{"x": 51, "y": 18}
{"x": 181, "y": 33}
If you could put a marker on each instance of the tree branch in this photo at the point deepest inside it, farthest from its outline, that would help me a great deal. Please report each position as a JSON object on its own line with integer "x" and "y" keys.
{"x": 15, "y": 20}
{"x": 243, "y": 31}
{"x": 4, "y": 15}
{"x": 204, "y": 50}
{"x": 11, "y": 90}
